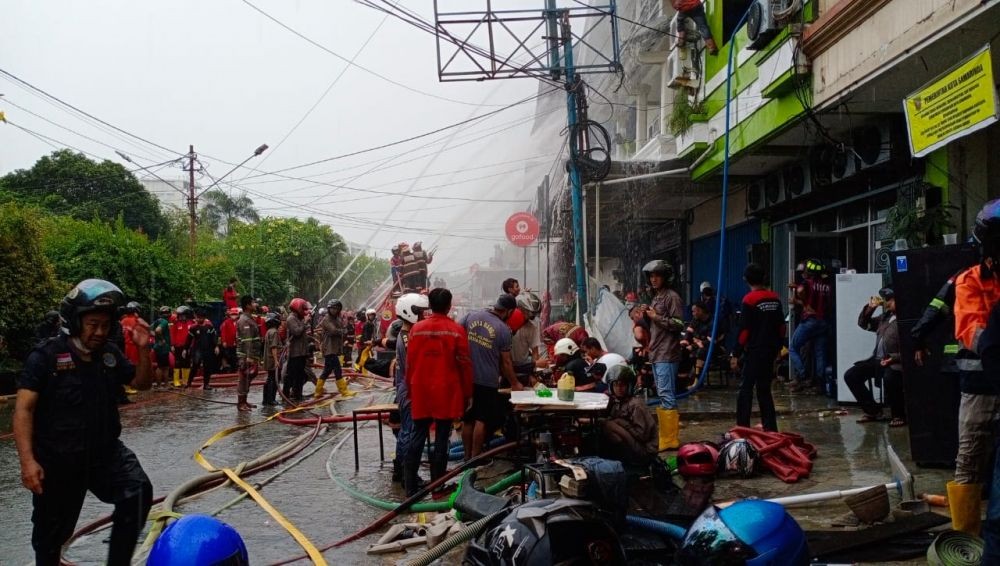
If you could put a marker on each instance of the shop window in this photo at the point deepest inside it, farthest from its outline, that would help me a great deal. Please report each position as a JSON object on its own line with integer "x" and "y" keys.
{"x": 732, "y": 13}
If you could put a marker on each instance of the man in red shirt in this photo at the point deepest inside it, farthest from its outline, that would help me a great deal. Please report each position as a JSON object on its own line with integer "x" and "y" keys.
{"x": 227, "y": 337}
{"x": 230, "y": 296}
{"x": 178, "y": 340}
{"x": 814, "y": 297}
{"x": 439, "y": 382}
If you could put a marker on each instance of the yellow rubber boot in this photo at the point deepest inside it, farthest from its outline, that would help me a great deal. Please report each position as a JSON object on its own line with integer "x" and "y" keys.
{"x": 964, "y": 501}
{"x": 320, "y": 383}
{"x": 342, "y": 387}
{"x": 177, "y": 377}
{"x": 129, "y": 390}
{"x": 669, "y": 421}
{"x": 185, "y": 375}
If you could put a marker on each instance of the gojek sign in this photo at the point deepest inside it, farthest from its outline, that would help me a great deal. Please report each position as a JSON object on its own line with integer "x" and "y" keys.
{"x": 522, "y": 229}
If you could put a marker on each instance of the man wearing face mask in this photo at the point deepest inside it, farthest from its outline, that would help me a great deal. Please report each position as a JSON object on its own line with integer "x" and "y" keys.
{"x": 67, "y": 427}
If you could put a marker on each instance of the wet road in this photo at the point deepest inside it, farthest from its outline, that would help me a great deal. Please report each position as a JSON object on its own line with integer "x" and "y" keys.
{"x": 165, "y": 429}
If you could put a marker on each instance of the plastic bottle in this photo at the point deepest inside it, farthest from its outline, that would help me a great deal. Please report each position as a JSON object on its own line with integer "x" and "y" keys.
{"x": 566, "y": 387}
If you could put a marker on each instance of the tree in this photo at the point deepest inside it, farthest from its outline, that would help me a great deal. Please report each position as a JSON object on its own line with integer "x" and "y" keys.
{"x": 70, "y": 183}
{"x": 29, "y": 286}
{"x": 220, "y": 210}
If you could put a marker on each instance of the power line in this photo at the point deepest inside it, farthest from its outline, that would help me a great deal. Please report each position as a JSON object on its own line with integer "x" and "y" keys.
{"x": 351, "y": 62}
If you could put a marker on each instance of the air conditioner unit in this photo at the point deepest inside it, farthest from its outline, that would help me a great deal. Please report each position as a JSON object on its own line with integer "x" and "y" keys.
{"x": 772, "y": 189}
{"x": 871, "y": 145}
{"x": 843, "y": 164}
{"x": 681, "y": 69}
{"x": 820, "y": 166}
{"x": 755, "y": 196}
{"x": 762, "y": 25}
{"x": 796, "y": 180}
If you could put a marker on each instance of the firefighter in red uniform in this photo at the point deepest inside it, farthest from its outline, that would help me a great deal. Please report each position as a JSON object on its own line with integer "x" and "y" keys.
{"x": 178, "y": 340}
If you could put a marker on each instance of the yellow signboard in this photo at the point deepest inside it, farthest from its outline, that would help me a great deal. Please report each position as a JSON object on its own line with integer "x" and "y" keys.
{"x": 953, "y": 105}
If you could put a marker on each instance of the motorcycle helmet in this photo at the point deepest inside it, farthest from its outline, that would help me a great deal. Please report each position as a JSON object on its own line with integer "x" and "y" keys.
{"x": 199, "y": 540}
{"x": 661, "y": 268}
{"x": 164, "y": 311}
{"x": 235, "y": 311}
{"x": 529, "y": 302}
{"x": 272, "y": 320}
{"x": 300, "y": 306}
{"x": 751, "y": 532}
{"x": 132, "y": 307}
{"x": 738, "y": 458}
{"x": 705, "y": 285}
{"x": 697, "y": 460}
{"x": 565, "y": 347}
{"x": 620, "y": 372}
{"x": 51, "y": 317}
{"x": 886, "y": 293}
{"x": 370, "y": 312}
{"x": 87, "y": 296}
{"x": 184, "y": 312}
{"x": 322, "y": 311}
{"x": 987, "y": 229}
{"x": 548, "y": 531}
{"x": 411, "y": 306}
{"x": 334, "y": 304}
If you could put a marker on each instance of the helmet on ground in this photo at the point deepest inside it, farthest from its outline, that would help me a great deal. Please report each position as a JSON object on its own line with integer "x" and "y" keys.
{"x": 566, "y": 347}
{"x": 814, "y": 265}
{"x": 697, "y": 460}
{"x": 88, "y": 295}
{"x": 300, "y": 306}
{"x": 184, "y": 311}
{"x": 370, "y": 312}
{"x": 272, "y": 320}
{"x": 233, "y": 311}
{"x": 201, "y": 540}
{"x": 751, "y": 532}
{"x": 133, "y": 307}
{"x": 530, "y": 302}
{"x": 623, "y": 373}
{"x": 335, "y": 304}
{"x": 661, "y": 268}
{"x": 548, "y": 531}
{"x": 410, "y": 306}
{"x": 738, "y": 458}
{"x": 165, "y": 310}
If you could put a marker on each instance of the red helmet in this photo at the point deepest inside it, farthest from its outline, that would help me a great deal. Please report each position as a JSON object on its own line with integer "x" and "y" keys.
{"x": 300, "y": 306}
{"x": 232, "y": 311}
{"x": 697, "y": 460}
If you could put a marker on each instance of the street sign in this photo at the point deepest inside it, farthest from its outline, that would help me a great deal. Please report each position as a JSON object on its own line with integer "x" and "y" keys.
{"x": 522, "y": 229}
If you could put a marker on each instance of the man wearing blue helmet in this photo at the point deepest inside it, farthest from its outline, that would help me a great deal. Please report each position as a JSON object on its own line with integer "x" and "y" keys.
{"x": 66, "y": 425}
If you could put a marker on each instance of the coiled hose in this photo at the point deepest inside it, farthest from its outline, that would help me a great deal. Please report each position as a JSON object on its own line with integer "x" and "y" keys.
{"x": 461, "y": 537}
{"x": 954, "y": 548}
{"x": 668, "y": 530}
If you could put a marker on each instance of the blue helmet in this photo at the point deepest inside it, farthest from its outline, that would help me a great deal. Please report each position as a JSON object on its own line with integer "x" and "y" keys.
{"x": 199, "y": 540}
{"x": 752, "y": 532}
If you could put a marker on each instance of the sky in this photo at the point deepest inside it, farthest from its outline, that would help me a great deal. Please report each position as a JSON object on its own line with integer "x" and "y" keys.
{"x": 223, "y": 77}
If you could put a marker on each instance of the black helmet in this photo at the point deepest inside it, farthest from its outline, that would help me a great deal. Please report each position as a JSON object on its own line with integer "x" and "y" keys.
{"x": 661, "y": 268}
{"x": 185, "y": 311}
{"x": 814, "y": 265}
{"x": 548, "y": 531}
{"x": 987, "y": 230}
{"x": 51, "y": 317}
{"x": 887, "y": 293}
{"x": 89, "y": 295}
{"x": 272, "y": 320}
{"x": 132, "y": 307}
{"x": 334, "y": 304}
{"x": 620, "y": 372}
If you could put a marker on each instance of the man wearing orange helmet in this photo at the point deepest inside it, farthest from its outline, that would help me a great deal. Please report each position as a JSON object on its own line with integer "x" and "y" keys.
{"x": 298, "y": 347}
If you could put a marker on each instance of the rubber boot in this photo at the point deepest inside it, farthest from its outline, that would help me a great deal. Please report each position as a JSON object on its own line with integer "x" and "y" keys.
{"x": 320, "y": 384}
{"x": 344, "y": 391}
{"x": 177, "y": 377}
{"x": 242, "y": 405}
{"x": 964, "y": 501}
{"x": 668, "y": 420}
{"x": 186, "y": 375}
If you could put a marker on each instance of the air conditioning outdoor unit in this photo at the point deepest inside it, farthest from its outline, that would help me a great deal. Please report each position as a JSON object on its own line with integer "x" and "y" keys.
{"x": 843, "y": 164}
{"x": 755, "y": 196}
{"x": 796, "y": 180}
{"x": 872, "y": 145}
{"x": 766, "y": 19}
{"x": 772, "y": 189}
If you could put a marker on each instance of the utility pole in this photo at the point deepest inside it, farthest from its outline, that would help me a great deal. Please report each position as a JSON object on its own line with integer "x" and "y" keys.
{"x": 192, "y": 202}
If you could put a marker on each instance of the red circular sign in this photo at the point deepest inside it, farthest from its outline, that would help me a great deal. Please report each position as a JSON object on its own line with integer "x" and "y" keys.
{"x": 522, "y": 229}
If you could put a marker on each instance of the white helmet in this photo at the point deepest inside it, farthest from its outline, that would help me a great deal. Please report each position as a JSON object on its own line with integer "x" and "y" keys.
{"x": 410, "y": 306}
{"x": 704, "y": 285}
{"x": 322, "y": 311}
{"x": 528, "y": 301}
{"x": 566, "y": 346}
{"x": 370, "y": 311}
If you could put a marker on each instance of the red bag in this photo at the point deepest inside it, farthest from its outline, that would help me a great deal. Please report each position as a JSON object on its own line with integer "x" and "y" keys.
{"x": 787, "y": 455}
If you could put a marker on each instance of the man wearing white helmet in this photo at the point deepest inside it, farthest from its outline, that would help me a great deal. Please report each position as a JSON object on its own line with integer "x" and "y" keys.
{"x": 409, "y": 309}
{"x": 527, "y": 341}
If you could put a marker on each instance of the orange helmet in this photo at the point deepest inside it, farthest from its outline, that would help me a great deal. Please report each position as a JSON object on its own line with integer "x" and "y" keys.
{"x": 300, "y": 306}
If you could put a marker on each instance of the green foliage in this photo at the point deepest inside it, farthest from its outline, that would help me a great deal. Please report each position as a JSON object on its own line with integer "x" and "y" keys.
{"x": 683, "y": 112}
{"x": 29, "y": 286}
{"x": 71, "y": 184}
{"x": 146, "y": 271}
{"x": 221, "y": 211}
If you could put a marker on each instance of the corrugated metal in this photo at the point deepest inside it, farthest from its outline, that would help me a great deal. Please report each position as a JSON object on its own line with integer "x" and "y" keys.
{"x": 705, "y": 260}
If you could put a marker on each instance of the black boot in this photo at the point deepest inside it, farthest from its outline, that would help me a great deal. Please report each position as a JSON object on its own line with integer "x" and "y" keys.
{"x": 397, "y": 471}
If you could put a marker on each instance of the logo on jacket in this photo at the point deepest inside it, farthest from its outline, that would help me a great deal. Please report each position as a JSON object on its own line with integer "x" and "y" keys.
{"x": 109, "y": 360}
